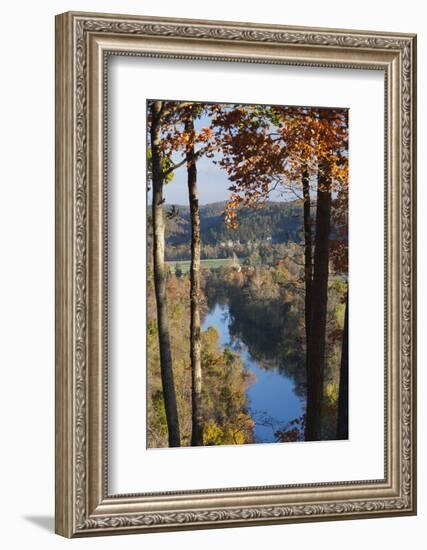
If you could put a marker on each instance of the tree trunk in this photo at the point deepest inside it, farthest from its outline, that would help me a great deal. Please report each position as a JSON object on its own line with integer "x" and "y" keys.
{"x": 195, "y": 338}
{"x": 317, "y": 340}
{"x": 166, "y": 367}
{"x": 342, "y": 422}
{"x": 308, "y": 262}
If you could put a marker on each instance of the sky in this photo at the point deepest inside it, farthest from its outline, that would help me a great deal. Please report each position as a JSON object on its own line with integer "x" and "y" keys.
{"x": 211, "y": 179}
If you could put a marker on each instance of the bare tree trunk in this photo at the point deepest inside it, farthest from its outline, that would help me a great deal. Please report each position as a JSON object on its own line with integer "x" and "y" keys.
{"x": 308, "y": 260}
{"x": 195, "y": 337}
{"x": 316, "y": 355}
{"x": 166, "y": 367}
{"x": 342, "y": 422}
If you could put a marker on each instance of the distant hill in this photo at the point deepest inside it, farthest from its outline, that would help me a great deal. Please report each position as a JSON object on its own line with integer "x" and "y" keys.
{"x": 277, "y": 222}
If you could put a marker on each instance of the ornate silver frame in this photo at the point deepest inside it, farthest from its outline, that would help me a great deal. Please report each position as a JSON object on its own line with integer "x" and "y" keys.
{"x": 83, "y": 42}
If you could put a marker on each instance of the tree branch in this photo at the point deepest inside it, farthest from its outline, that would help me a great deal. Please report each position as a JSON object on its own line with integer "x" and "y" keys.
{"x": 174, "y": 167}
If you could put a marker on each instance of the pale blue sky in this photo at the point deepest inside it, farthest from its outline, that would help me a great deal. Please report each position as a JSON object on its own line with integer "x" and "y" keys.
{"x": 212, "y": 184}
{"x": 211, "y": 179}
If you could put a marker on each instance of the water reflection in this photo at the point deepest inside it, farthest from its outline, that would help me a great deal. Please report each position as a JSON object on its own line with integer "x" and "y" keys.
{"x": 273, "y": 397}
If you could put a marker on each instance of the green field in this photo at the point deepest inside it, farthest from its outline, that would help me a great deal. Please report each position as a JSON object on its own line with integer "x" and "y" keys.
{"x": 184, "y": 265}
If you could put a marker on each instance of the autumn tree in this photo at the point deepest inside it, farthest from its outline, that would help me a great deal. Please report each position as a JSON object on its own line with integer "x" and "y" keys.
{"x": 180, "y": 138}
{"x": 331, "y": 138}
{"x": 158, "y": 175}
{"x": 308, "y": 252}
{"x": 338, "y": 245}
{"x": 195, "y": 337}
{"x": 267, "y": 149}
{"x": 319, "y": 288}
{"x": 342, "y": 417}
{"x": 270, "y": 147}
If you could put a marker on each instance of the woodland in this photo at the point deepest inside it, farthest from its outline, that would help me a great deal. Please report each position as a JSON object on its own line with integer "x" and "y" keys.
{"x": 247, "y": 298}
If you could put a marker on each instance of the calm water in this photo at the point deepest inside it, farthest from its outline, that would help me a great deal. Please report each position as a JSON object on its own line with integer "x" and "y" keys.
{"x": 272, "y": 398}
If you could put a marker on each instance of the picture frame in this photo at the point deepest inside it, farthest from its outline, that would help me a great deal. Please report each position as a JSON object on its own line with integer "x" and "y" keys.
{"x": 84, "y": 42}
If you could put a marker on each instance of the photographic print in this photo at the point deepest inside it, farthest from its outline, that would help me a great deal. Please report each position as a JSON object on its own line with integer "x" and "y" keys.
{"x": 247, "y": 277}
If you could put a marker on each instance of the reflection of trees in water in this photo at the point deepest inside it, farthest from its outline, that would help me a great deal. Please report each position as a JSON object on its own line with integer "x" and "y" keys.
{"x": 270, "y": 339}
{"x": 272, "y": 343}
{"x": 215, "y": 293}
{"x": 267, "y": 321}
{"x": 281, "y": 431}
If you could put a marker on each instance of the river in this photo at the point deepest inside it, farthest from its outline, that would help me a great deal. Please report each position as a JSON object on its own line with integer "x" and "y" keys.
{"x": 273, "y": 402}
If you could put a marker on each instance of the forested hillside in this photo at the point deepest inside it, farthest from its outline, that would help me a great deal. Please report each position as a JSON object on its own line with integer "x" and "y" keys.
{"x": 276, "y": 224}
{"x": 278, "y": 221}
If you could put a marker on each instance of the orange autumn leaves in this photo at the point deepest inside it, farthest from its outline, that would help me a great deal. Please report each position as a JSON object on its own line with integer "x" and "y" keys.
{"x": 175, "y": 137}
{"x": 270, "y": 147}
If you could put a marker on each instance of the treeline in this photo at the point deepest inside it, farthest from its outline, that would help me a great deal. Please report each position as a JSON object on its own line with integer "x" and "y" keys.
{"x": 279, "y": 222}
